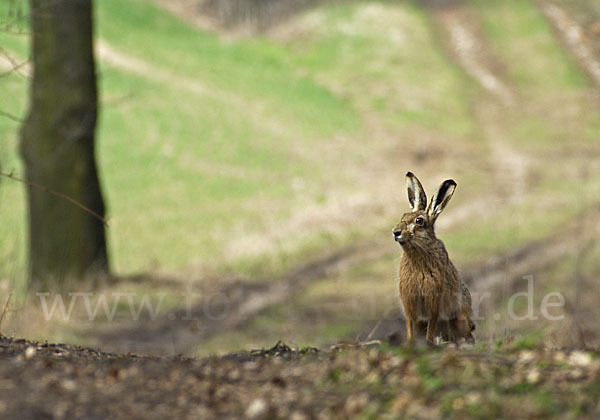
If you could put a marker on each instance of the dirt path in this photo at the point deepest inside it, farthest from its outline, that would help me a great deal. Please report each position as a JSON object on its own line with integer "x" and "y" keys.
{"x": 227, "y": 308}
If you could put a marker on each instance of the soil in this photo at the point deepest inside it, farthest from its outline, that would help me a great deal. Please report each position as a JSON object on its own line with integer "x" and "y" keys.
{"x": 41, "y": 380}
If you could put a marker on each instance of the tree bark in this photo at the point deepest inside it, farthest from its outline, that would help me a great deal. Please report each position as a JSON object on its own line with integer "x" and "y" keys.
{"x": 57, "y": 146}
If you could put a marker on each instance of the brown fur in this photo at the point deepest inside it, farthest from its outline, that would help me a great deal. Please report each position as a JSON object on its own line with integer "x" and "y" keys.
{"x": 430, "y": 287}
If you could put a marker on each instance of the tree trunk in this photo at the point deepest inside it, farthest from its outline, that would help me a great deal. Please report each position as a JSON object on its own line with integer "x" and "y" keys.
{"x": 57, "y": 145}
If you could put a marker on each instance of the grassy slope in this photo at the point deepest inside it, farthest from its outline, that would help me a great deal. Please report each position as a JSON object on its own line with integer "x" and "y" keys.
{"x": 225, "y": 162}
{"x": 187, "y": 173}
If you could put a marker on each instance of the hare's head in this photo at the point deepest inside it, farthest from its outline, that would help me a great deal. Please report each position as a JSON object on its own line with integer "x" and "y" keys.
{"x": 415, "y": 229}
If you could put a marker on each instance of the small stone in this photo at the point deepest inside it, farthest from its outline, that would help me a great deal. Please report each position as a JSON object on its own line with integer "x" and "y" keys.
{"x": 355, "y": 403}
{"x": 69, "y": 385}
{"x": 233, "y": 375}
{"x": 30, "y": 352}
{"x": 576, "y": 373}
{"x": 251, "y": 365}
{"x": 472, "y": 398}
{"x": 533, "y": 376}
{"x": 297, "y": 415}
{"x": 526, "y": 356}
{"x": 458, "y": 404}
{"x": 257, "y": 408}
{"x": 580, "y": 358}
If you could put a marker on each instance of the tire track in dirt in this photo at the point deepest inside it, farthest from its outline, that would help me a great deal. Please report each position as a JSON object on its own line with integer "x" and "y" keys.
{"x": 229, "y": 308}
{"x": 573, "y": 37}
{"x": 467, "y": 46}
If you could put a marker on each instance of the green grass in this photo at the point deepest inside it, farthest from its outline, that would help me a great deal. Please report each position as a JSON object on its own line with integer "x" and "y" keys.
{"x": 254, "y": 70}
{"x": 552, "y": 87}
{"x": 220, "y": 159}
{"x": 185, "y": 172}
{"x": 14, "y": 27}
{"x": 189, "y": 172}
{"x": 503, "y": 232}
{"x": 532, "y": 218}
{"x": 389, "y": 52}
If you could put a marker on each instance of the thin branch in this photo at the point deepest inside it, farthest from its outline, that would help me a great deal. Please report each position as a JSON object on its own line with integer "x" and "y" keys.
{"x": 57, "y": 194}
{"x": 4, "y": 311}
{"x": 11, "y": 116}
{"x": 17, "y": 69}
{"x": 374, "y": 329}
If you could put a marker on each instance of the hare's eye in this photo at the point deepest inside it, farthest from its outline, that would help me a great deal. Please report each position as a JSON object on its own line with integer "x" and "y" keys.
{"x": 419, "y": 221}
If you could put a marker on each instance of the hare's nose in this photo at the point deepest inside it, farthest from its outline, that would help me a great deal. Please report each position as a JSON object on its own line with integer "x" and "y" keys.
{"x": 398, "y": 237}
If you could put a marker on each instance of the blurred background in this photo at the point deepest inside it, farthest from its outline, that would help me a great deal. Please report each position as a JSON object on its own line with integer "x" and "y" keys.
{"x": 252, "y": 157}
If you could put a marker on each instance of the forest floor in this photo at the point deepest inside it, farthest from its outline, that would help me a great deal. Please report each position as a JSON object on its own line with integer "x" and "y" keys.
{"x": 41, "y": 380}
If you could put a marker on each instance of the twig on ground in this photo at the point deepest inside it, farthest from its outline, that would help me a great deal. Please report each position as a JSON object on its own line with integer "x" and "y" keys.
{"x": 355, "y": 345}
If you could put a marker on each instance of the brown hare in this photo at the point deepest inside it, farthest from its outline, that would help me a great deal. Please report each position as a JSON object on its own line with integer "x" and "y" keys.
{"x": 430, "y": 286}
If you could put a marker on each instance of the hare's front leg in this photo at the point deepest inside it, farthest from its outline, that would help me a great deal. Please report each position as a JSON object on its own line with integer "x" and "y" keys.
{"x": 409, "y": 328}
{"x": 431, "y": 326}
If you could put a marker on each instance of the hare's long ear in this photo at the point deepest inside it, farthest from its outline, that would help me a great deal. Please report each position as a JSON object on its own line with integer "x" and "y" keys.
{"x": 441, "y": 198}
{"x": 416, "y": 193}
